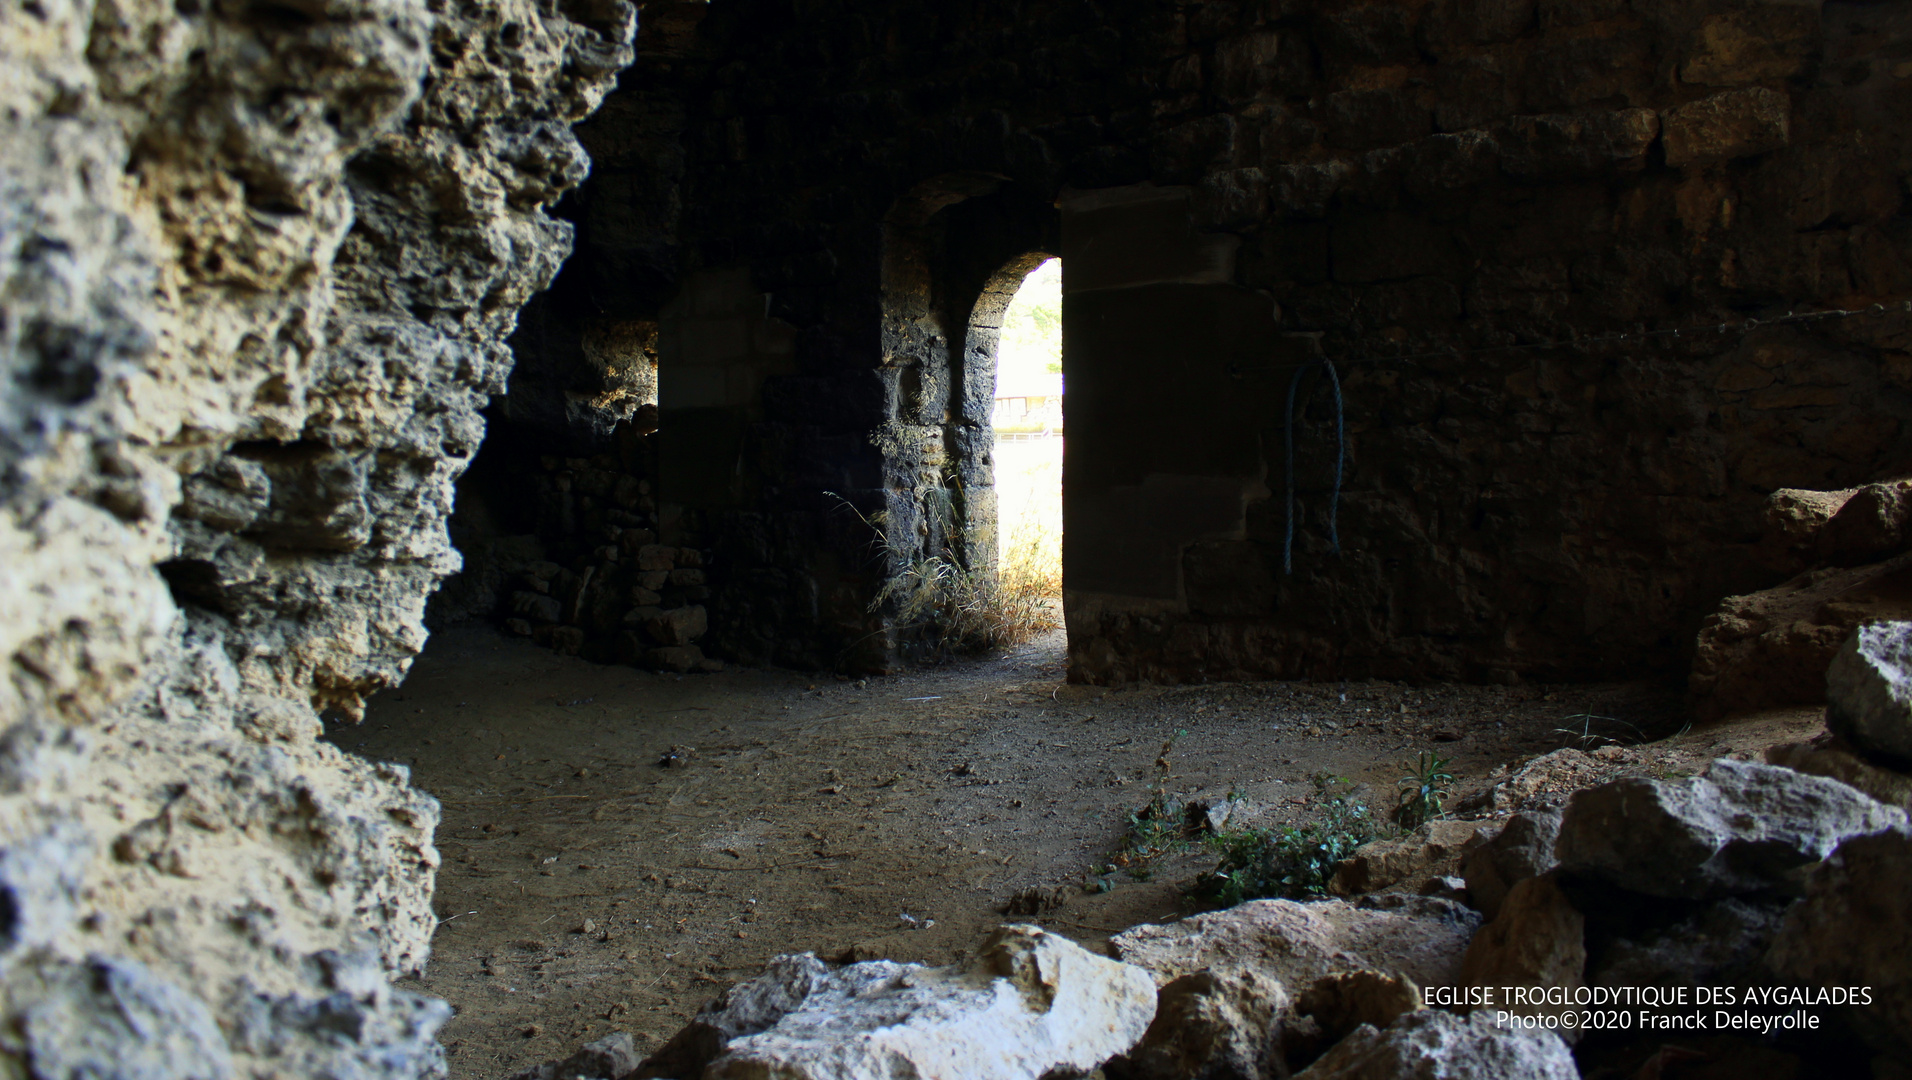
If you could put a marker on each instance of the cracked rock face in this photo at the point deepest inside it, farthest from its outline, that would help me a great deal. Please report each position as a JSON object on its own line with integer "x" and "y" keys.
{"x": 1435, "y": 1045}
{"x": 1523, "y": 849}
{"x": 256, "y": 272}
{"x": 1869, "y": 691}
{"x": 1295, "y": 943}
{"x": 1854, "y": 928}
{"x": 1742, "y": 828}
{"x": 1030, "y": 1005}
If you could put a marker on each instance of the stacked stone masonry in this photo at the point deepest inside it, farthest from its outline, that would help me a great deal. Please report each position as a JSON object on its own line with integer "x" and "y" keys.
{"x": 628, "y": 600}
{"x": 260, "y": 265}
{"x": 1491, "y": 217}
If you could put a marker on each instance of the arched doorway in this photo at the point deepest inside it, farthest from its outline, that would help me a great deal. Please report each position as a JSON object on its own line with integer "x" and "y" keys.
{"x": 955, "y": 255}
{"x": 1026, "y": 419}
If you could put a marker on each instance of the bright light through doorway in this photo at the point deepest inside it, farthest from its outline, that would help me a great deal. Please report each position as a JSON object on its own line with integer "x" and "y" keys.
{"x": 1028, "y": 423}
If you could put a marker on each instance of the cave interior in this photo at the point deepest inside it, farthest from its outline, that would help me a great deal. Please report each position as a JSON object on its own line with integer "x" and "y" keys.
{"x": 423, "y": 418}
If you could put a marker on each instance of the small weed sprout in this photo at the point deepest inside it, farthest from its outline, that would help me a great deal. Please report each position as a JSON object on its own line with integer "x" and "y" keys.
{"x": 1587, "y": 738}
{"x": 1423, "y": 795}
{"x": 1158, "y": 827}
{"x": 1294, "y": 861}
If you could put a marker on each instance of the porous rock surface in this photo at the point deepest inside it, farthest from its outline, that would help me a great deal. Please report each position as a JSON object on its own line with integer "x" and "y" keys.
{"x": 1232, "y": 979}
{"x": 1031, "y": 1004}
{"x": 1828, "y": 755}
{"x": 1741, "y": 828}
{"x": 1770, "y": 649}
{"x": 1869, "y": 691}
{"x": 255, "y": 276}
{"x": 1846, "y": 552}
{"x": 1294, "y": 944}
{"x": 1854, "y": 928}
{"x": 1537, "y": 940}
{"x": 1208, "y": 1027}
{"x": 1542, "y": 783}
{"x": 1381, "y": 863}
{"x": 1435, "y": 1045}
{"x": 1523, "y": 848}
{"x": 1343, "y": 1001}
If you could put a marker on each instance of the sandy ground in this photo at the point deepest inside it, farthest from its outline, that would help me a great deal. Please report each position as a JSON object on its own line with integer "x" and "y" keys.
{"x": 588, "y": 888}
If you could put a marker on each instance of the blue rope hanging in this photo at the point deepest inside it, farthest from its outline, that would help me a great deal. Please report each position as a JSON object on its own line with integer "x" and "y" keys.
{"x": 1340, "y": 460}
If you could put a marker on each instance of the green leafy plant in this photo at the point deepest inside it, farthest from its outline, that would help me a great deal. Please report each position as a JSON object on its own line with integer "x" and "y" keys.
{"x": 1294, "y": 861}
{"x": 1158, "y": 826}
{"x": 1423, "y": 794}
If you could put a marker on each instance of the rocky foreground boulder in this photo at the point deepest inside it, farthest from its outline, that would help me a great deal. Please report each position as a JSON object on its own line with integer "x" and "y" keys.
{"x": 1741, "y": 828}
{"x": 1030, "y": 1005}
{"x": 1432, "y": 847}
{"x": 1435, "y": 1045}
{"x": 1854, "y": 928}
{"x": 1750, "y": 875}
{"x": 1296, "y": 943}
{"x": 1538, "y": 939}
{"x": 1523, "y": 849}
{"x": 1828, "y": 755}
{"x": 258, "y": 265}
{"x": 1869, "y": 691}
{"x": 1846, "y": 553}
{"x": 1264, "y": 981}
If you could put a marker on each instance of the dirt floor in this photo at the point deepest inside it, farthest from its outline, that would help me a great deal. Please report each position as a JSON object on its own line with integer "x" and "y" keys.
{"x": 620, "y": 845}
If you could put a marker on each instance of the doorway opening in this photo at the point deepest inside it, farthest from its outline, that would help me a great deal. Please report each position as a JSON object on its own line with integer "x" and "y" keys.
{"x": 956, "y": 253}
{"x": 1026, "y": 417}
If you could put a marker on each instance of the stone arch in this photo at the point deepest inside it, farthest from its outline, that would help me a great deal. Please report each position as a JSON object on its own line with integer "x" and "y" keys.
{"x": 981, "y": 339}
{"x": 955, "y": 249}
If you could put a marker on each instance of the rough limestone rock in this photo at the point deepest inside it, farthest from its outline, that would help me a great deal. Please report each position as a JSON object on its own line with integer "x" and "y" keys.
{"x": 1734, "y": 124}
{"x": 1846, "y": 551}
{"x": 1771, "y": 649}
{"x": 1538, "y": 940}
{"x": 115, "y": 1018}
{"x": 1524, "y": 848}
{"x": 1828, "y": 755}
{"x": 1345, "y": 1000}
{"x": 1722, "y": 944}
{"x": 256, "y": 274}
{"x": 1380, "y": 863}
{"x": 1869, "y": 691}
{"x": 1794, "y": 518}
{"x": 1209, "y": 1026}
{"x": 1545, "y": 781}
{"x": 744, "y": 1009}
{"x": 613, "y": 1057}
{"x": 1030, "y": 1004}
{"x": 1854, "y": 928}
{"x": 1435, "y": 1045}
{"x": 1294, "y": 944}
{"x": 1741, "y": 828}
{"x": 1871, "y": 525}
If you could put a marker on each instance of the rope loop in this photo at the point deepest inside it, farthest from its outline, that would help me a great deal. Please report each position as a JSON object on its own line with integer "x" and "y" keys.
{"x": 1340, "y": 463}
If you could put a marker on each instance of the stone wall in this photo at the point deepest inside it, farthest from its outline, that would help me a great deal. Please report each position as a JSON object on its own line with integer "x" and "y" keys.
{"x": 1490, "y": 215}
{"x": 562, "y": 535}
{"x": 257, "y": 266}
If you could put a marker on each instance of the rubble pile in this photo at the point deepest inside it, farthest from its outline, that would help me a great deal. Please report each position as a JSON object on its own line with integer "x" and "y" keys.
{"x": 1786, "y": 886}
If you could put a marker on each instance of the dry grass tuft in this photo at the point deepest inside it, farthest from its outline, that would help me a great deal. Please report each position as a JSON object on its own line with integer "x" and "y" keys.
{"x": 950, "y": 607}
{"x": 1030, "y": 578}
